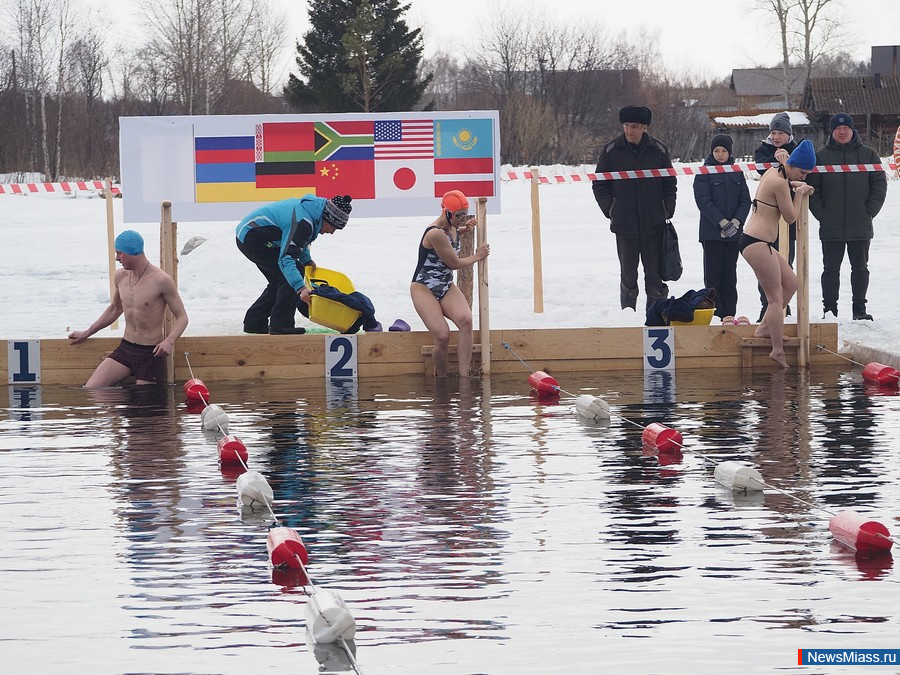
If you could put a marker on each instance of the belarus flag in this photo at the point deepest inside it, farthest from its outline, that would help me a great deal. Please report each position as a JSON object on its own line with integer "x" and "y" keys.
{"x": 473, "y": 175}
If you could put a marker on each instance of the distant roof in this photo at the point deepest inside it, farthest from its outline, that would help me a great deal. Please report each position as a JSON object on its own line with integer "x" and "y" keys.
{"x": 754, "y": 119}
{"x": 767, "y": 81}
{"x": 856, "y": 95}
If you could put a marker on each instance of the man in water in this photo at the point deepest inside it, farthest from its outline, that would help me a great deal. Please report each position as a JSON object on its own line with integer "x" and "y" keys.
{"x": 142, "y": 291}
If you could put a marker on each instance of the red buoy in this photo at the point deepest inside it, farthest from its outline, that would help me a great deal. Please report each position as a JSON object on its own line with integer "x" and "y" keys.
{"x": 881, "y": 374}
{"x": 195, "y": 390}
{"x": 289, "y": 577}
{"x": 661, "y": 437}
{"x": 542, "y": 383}
{"x": 232, "y": 450}
{"x": 856, "y": 531}
{"x": 285, "y": 546}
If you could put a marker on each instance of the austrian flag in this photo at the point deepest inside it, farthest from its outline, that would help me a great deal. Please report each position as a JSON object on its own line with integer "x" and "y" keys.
{"x": 474, "y": 176}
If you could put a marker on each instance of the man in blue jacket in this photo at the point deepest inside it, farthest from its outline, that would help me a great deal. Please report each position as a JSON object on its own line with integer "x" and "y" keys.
{"x": 637, "y": 208}
{"x": 277, "y": 237}
{"x": 845, "y": 205}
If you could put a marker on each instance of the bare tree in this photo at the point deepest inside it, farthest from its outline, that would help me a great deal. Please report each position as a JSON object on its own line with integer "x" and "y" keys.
{"x": 808, "y": 32}
{"x": 818, "y": 32}
{"x": 201, "y": 42}
{"x": 265, "y": 41}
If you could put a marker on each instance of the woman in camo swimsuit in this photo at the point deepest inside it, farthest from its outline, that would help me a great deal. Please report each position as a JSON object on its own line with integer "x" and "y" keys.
{"x": 433, "y": 292}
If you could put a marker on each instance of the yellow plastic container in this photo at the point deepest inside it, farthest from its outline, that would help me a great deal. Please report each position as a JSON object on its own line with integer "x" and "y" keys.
{"x": 702, "y": 317}
{"x": 327, "y": 312}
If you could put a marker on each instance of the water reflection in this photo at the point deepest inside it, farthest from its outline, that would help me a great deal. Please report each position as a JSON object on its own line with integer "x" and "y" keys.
{"x": 447, "y": 512}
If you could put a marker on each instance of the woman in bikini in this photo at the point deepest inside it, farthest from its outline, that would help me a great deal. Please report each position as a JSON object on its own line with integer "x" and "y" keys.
{"x": 434, "y": 294}
{"x": 773, "y": 201}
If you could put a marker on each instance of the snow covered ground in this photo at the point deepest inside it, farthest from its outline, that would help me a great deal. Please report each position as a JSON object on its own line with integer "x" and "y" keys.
{"x": 54, "y": 272}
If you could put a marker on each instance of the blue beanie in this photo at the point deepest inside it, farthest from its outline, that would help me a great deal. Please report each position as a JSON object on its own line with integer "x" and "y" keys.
{"x": 130, "y": 242}
{"x": 803, "y": 156}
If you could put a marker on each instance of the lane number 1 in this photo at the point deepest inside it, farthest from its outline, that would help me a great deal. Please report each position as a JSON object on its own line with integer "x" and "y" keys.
{"x": 23, "y": 361}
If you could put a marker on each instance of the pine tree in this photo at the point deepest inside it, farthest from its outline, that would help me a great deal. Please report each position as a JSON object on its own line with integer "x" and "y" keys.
{"x": 359, "y": 55}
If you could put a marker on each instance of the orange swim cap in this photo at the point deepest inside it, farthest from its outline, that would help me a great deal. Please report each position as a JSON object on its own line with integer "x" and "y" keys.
{"x": 455, "y": 201}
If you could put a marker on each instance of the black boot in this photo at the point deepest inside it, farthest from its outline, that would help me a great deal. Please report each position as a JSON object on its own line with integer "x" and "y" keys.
{"x": 830, "y": 308}
{"x": 628, "y": 297}
{"x": 286, "y": 330}
{"x": 860, "y": 313}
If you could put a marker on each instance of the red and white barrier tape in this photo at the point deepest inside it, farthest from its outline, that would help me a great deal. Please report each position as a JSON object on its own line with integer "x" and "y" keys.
{"x": 683, "y": 171}
{"x": 68, "y": 186}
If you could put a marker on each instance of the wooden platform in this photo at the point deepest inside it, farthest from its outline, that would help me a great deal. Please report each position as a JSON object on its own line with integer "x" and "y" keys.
{"x": 262, "y": 357}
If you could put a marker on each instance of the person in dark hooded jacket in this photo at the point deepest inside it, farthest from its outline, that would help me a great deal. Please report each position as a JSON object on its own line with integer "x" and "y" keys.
{"x": 845, "y": 205}
{"x": 775, "y": 149}
{"x": 724, "y": 202}
{"x": 637, "y": 208}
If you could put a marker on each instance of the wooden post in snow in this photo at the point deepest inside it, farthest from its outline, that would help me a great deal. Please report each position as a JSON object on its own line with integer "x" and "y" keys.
{"x": 464, "y": 275}
{"x": 484, "y": 329}
{"x": 536, "y": 242}
{"x": 803, "y": 283}
{"x": 111, "y": 242}
{"x": 168, "y": 262}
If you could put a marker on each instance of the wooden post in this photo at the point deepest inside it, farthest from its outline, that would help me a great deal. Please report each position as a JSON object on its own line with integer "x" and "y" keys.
{"x": 111, "y": 242}
{"x": 803, "y": 283}
{"x": 536, "y": 242}
{"x": 483, "y": 286}
{"x": 168, "y": 262}
{"x": 465, "y": 275}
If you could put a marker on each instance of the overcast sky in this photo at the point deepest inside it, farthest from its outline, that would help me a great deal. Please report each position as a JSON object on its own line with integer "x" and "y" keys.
{"x": 707, "y": 38}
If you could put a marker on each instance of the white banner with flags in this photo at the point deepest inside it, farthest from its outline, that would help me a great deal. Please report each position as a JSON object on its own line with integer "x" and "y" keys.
{"x": 220, "y": 167}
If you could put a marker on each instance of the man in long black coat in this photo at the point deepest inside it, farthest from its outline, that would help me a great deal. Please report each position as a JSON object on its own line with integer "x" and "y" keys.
{"x": 637, "y": 208}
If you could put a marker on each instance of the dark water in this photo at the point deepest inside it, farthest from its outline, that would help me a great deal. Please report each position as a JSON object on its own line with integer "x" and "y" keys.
{"x": 470, "y": 526}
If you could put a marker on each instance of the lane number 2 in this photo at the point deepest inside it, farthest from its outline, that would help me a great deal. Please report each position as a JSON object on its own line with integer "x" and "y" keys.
{"x": 341, "y": 356}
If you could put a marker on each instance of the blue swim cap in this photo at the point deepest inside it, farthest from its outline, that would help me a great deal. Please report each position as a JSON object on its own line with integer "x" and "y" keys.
{"x": 803, "y": 156}
{"x": 130, "y": 242}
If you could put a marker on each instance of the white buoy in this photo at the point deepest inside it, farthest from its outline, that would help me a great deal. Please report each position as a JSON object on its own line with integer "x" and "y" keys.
{"x": 592, "y": 408}
{"x": 327, "y": 617}
{"x": 213, "y": 417}
{"x": 252, "y": 488}
{"x": 737, "y": 476}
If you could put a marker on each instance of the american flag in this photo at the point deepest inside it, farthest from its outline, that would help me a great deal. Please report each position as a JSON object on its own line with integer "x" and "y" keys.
{"x": 407, "y": 139}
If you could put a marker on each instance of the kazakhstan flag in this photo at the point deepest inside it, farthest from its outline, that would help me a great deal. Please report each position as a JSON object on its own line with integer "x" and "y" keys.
{"x": 463, "y": 138}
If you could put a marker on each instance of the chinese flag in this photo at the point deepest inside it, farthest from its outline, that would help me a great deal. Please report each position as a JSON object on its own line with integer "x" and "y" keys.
{"x": 352, "y": 177}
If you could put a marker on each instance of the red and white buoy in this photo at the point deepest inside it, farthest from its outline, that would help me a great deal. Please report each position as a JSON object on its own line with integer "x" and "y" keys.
{"x": 327, "y": 617}
{"x": 253, "y": 489}
{"x": 543, "y": 383}
{"x": 285, "y": 547}
{"x": 879, "y": 373}
{"x": 739, "y": 477}
{"x": 592, "y": 408}
{"x": 232, "y": 450}
{"x": 213, "y": 418}
{"x": 195, "y": 390}
{"x": 662, "y": 438}
{"x": 858, "y": 532}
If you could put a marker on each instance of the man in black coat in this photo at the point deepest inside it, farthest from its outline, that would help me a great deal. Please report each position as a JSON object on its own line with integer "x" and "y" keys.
{"x": 637, "y": 208}
{"x": 845, "y": 204}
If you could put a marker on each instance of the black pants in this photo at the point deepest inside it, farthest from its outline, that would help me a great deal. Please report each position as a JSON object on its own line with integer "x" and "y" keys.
{"x": 720, "y": 272}
{"x": 792, "y": 251}
{"x": 276, "y": 306}
{"x": 832, "y": 257}
{"x": 648, "y": 251}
